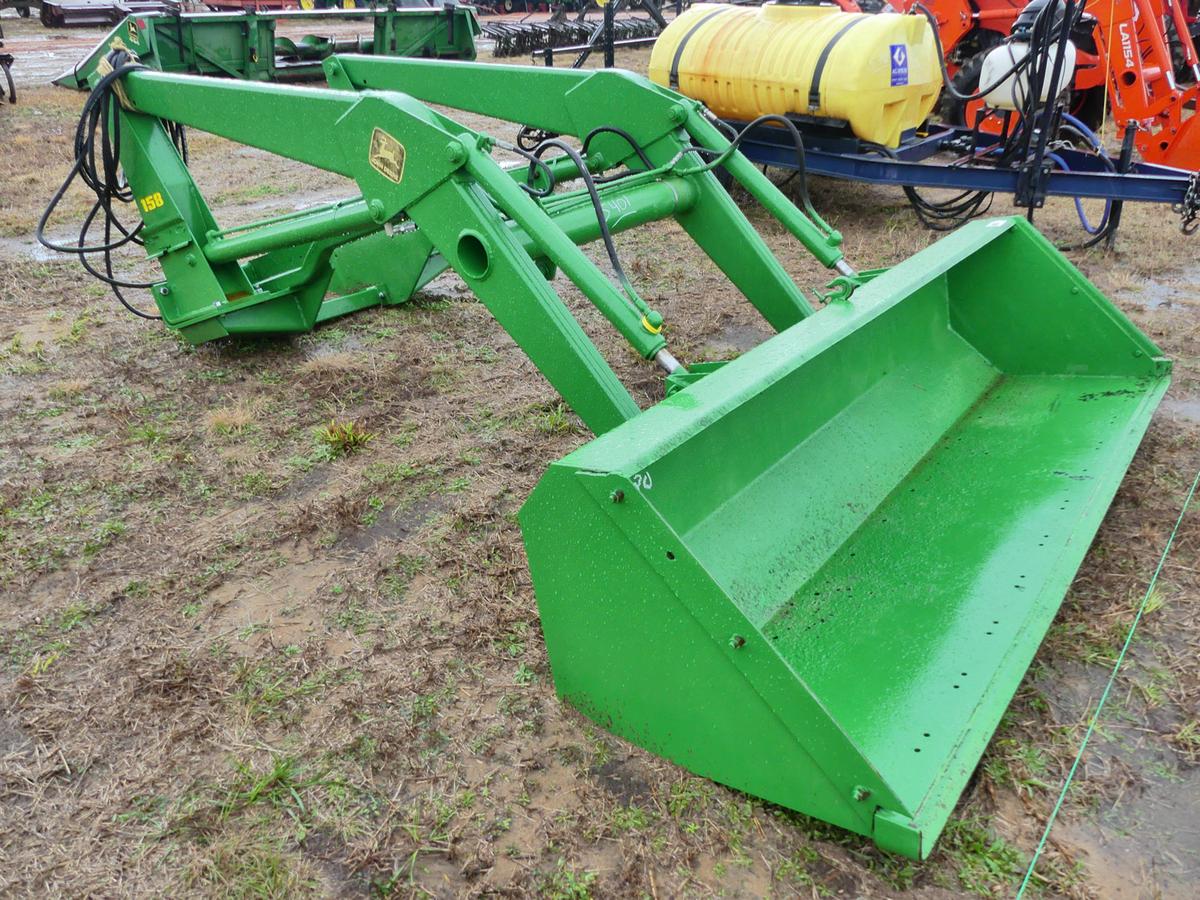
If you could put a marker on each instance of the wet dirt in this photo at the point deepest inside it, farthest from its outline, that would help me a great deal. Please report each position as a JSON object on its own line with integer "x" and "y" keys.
{"x": 1185, "y": 408}
{"x": 1175, "y": 294}
{"x": 1147, "y": 845}
{"x": 1143, "y": 840}
{"x": 189, "y": 602}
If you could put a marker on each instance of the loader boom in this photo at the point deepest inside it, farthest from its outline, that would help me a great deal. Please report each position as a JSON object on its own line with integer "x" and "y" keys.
{"x": 816, "y": 572}
{"x": 446, "y": 203}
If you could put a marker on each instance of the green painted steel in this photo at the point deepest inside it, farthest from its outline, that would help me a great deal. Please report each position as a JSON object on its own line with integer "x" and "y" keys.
{"x": 449, "y": 204}
{"x": 819, "y": 574}
{"x": 245, "y": 44}
{"x": 816, "y": 572}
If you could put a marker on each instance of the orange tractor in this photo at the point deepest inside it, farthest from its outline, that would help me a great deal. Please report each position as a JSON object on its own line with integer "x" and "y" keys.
{"x": 1136, "y": 58}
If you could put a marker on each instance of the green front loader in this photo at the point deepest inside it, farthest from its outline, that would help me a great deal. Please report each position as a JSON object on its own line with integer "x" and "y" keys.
{"x": 816, "y": 572}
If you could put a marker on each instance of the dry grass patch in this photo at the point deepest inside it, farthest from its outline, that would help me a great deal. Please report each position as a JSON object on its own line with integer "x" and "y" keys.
{"x": 232, "y": 419}
{"x": 330, "y": 366}
{"x": 68, "y": 389}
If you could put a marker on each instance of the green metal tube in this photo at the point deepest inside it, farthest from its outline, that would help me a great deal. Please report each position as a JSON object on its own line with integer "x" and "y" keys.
{"x": 353, "y": 219}
{"x": 633, "y": 206}
{"x": 282, "y": 217}
{"x": 826, "y": 248}
{"x": 624, "y": 209}
{"x": 563, "y": 169}
{"x": 561, "y": 250}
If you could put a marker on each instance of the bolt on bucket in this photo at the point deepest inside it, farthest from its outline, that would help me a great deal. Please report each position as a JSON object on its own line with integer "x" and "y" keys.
{"x": 819, "y": 574}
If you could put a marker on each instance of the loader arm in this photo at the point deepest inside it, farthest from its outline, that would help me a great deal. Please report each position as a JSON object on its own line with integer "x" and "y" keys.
{"x": 575, "y": 102}
{"x": 442, "y": 172}
{"x": 816, "y": 572}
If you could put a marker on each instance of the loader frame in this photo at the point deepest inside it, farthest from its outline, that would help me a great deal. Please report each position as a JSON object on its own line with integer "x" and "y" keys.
{"x": 816, "y": 572}
{"x": 430, "y": 193}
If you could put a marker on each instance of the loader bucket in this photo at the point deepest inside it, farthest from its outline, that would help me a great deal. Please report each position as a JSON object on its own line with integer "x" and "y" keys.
{"x": 819, "y": 573}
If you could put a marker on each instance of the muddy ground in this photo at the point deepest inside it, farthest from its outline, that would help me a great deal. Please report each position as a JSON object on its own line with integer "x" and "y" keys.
{"x": 239, "y": 656}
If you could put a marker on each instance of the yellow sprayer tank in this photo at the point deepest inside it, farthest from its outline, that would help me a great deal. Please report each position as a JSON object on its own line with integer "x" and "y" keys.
{"x": 879, "y": 72}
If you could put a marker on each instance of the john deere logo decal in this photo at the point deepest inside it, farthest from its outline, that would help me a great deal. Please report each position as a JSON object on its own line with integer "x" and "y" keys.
{"x": 387, "y": 155}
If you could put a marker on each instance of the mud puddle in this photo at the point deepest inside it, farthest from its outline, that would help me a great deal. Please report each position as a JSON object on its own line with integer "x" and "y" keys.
{"x": 27, "y": 248}
{"x": 1145, "y": 841}
{"x": 1184, "y": 408}
{"x": 1175, "y": 293}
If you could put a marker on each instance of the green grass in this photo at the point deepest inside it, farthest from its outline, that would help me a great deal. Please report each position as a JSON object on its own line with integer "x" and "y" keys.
{"x": 246, "y": 866}
{"x": 512, "y": 642}
{"x": 986, "y": 864}
{"x": 355, "y": 618}
{"x": 566, "y": 883}
{"x": 37, "y": 647}
{"x": 556, "y": 420}
{"x": 342, "y": 438}
{"x": 267, "y": 690}
{"x": 242, "y": 830}
{"x": 629, "y": 818}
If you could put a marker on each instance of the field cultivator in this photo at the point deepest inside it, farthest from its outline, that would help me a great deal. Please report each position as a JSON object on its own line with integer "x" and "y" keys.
{"x": 523, "y": 38}
{"x": 816, "y": 572}
{"x": 245, "y": 45}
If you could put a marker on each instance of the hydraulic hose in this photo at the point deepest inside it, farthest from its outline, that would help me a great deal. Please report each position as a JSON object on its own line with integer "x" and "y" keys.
{"x": 97, "y": 151}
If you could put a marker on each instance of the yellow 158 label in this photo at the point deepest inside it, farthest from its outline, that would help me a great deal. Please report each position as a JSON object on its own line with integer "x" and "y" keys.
{"x": 150, "y": 202}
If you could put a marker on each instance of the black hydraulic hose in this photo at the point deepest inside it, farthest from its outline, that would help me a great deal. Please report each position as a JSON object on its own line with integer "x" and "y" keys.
{"x": 605, "y": 232}
{"x": 944, "y": 215}
{"x": 535, "y": 163}
{"x": 941, "y": 53}
{"x": 718, "y": 157}
{"x": 85, "y": 169}
{"x": 949, "y": 214}
{"x": 1051, "y": 111}
{"x": 621, "y": 133}
{"x": 99, "y": 168}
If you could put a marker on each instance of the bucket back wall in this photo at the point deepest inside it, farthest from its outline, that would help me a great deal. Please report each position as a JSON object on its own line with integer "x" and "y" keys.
{"x": 834, "y": 558}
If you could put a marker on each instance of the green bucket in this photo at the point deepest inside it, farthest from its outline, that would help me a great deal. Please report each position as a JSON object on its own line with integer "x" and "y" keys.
{"x": 819, "y": 574}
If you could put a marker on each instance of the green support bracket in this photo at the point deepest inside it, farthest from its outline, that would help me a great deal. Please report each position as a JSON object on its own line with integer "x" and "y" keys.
{"x": 244, "y": 45}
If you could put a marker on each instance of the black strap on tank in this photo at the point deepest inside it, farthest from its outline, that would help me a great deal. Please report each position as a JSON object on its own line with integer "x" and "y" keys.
{"x": 674, "y": 77}
{"x": 814, "y": 89}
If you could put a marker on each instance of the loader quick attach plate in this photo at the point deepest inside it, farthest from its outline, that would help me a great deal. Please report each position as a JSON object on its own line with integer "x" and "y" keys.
{"x": 819, "y": 573}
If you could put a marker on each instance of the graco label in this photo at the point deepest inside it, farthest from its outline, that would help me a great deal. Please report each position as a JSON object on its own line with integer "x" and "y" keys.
{"x": 899, "y": 54}
{"x": 386, "y": 155}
